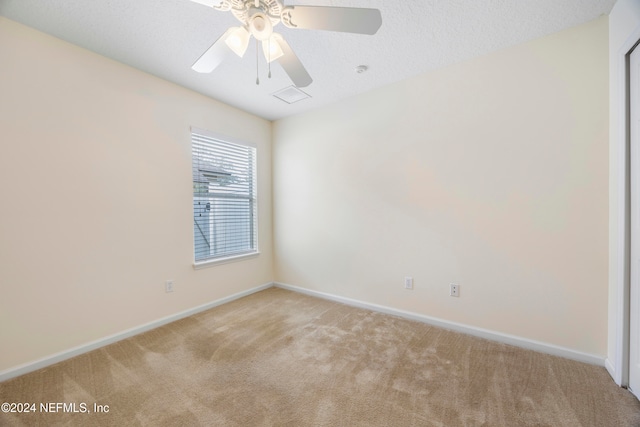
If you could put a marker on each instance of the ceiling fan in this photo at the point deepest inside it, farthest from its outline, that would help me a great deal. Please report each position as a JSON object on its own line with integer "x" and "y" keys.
{"x": 258, "y": 17}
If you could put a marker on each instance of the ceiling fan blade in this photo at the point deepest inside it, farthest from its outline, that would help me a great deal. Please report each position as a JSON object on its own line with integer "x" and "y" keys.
{"x": 292, "y": 65}
{"x": 345, "y": 19}
{"x": 210, "y": 3}
{"x": 213, "y": 56}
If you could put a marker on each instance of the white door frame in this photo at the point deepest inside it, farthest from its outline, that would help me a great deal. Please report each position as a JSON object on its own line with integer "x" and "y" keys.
{"x": 619, "y": 367}
{"x": 634, "y": 170}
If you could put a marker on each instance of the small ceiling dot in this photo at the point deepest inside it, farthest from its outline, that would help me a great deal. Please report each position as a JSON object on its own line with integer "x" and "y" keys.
{"x": 361, "y": 69}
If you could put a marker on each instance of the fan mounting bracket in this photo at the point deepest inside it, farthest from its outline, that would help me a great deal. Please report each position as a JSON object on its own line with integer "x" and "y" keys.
{"x": 243, "y": 10}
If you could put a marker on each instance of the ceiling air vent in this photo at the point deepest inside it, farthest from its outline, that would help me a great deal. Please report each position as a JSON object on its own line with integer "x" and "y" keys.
{"x": 291, "y": 94}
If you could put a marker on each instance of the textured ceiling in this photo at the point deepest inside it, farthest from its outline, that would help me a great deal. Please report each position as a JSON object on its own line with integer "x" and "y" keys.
{"x": 165, "y": 37}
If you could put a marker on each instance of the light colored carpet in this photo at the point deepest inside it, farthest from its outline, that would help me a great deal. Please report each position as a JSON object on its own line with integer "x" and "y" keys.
{"x": 279, "y": 358}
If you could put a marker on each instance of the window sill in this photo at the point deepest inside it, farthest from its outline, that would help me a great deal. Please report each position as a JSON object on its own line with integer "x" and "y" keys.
{"x": 211, "y": 262}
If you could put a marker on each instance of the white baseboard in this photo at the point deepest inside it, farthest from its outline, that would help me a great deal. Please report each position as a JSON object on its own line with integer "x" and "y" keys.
{"x": 458, "y": 327}
{"x": 471, "y": 330}
{"x": 76, "y": 351}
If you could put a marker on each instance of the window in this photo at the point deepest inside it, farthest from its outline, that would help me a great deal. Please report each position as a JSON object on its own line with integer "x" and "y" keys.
{"x": 224, "y": 197}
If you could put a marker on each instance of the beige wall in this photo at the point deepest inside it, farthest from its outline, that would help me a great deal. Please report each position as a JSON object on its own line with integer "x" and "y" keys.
{"x": 491, "y": 173}
{"x": 624, "y": 24}
{"x": 95, "y": 190}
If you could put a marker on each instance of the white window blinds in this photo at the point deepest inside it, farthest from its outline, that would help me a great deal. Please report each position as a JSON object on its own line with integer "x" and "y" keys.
{"x": 224, "y": 198}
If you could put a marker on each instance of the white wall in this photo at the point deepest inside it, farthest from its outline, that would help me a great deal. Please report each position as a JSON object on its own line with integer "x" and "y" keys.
{"x": 491, "y": 173}
{"x": 624, "y": 25}
{"x": 96, "y": 197}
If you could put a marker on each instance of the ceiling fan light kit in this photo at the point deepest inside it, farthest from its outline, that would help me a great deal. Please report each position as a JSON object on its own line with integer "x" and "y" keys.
{"x": 260, "y": 26}
{"x": 238, "y": 40}
{"x": 259, "y": 17}
{"x": 271, "y": 48}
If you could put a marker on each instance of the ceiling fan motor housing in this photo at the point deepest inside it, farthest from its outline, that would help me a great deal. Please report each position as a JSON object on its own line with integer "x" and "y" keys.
{"x": 244, "y": 10}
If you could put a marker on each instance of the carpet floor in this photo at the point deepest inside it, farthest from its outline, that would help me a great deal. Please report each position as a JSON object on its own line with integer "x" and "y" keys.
{"x": 280, "y": 358}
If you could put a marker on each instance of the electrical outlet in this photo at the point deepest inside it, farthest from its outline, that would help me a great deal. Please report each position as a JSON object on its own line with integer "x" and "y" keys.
{"x": 454, "y": 290}
{"x": 408, "y": 282}
{"x": 168, "y": 286}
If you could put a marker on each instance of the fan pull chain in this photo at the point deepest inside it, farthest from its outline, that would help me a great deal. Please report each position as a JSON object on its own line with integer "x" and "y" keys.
{"x": 257, "y": 74}
{"x": 269, "y": 59}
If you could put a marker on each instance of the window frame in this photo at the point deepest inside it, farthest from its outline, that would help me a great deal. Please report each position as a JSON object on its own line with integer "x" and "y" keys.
{"x": 197, "y": 265}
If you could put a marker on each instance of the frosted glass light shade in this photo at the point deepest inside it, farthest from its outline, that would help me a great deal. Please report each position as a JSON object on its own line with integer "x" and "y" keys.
{"x": 260, "y": 26}
{"x": 238, "y": 41}
{"x": 271, "y": 48}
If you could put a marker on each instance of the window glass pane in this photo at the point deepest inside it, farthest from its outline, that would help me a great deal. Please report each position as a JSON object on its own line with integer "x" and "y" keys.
{"x": 224, "y": 200}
